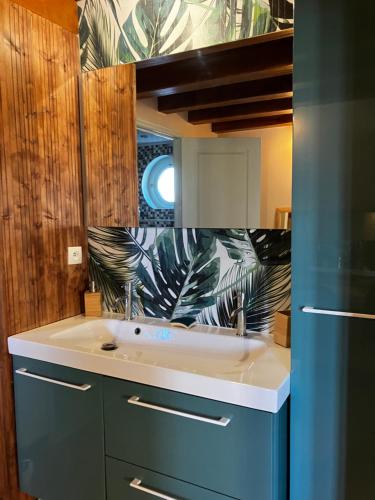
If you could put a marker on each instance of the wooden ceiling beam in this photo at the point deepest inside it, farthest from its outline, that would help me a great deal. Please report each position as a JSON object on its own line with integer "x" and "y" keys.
{"x": 265, "y": 57}
{"x": 215, "y": 49}
{"x": 241, "y": 111}
{"x": 239, "y": 93}
{"x": 253, "y": 123}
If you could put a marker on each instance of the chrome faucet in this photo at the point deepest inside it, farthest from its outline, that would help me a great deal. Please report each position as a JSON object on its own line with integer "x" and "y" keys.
{"x": 127, "y": 299}
{"x": 238, "y": 316}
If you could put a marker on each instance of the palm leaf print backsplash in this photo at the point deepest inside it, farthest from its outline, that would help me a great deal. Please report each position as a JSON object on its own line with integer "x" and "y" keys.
{"x": 194, "y": 272}
{"x": 121, "y": 31}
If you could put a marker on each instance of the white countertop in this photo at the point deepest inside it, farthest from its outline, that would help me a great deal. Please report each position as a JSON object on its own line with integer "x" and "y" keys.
{"x": 203, "y": 361}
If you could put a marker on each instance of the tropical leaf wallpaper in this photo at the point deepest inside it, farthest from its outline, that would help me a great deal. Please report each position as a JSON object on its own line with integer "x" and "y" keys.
{"x": 121, "y": 31}
{"x": 194, "y": 272}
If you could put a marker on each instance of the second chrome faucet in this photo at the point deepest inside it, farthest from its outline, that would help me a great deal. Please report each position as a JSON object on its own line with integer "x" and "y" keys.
{"x": 238, "y": 316}
{"x": 127, "y": 299}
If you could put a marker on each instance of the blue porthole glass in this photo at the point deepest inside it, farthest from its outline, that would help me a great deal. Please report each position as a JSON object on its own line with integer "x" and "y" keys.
{"x": 158, "y": 183}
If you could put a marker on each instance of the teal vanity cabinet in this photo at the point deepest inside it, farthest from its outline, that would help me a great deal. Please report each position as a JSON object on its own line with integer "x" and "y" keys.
{"x": 158, "y": 443}
{"x": 59, "y": 422}
{"x": 232, "y": 452}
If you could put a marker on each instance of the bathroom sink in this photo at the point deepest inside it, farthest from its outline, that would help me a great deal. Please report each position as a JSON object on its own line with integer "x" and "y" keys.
{"x": 195, "y": 349}
{"x": 204, "y": 361}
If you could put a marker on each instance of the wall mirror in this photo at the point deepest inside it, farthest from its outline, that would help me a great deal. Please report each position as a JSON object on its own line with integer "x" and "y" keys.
{"x": 212, "y": 136}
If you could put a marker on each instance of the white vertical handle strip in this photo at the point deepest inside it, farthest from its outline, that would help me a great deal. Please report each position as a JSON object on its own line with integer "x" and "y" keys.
{"x": 328, "y": 312}
{"x": 26, "y": 373}
{"x": 136, "y": 484}
{"x": 223, "y": 421}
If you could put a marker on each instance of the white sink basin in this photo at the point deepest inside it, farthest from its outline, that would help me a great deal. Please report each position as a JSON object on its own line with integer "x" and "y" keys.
{"x": 167, "y": 346}
{"x": 203, "y": 361}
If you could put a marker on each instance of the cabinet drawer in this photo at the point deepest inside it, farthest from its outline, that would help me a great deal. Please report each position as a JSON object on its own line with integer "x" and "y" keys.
{"x": 242, "y": 456}
{"x": 59, "y": 431}
{"x": 126, "y": 481}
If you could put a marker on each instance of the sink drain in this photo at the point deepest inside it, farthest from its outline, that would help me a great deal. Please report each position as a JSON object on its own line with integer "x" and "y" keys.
{"x": 109, "y": 346}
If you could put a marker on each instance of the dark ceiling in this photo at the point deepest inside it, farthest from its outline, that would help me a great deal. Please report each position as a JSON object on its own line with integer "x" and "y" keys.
{"x": 233, "y": 86}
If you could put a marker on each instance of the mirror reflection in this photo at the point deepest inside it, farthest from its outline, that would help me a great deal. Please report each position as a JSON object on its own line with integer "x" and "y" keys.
{"x": 191, "y": 178}
{"x": 216, "y": 123}
{"x": 215, "y": 135}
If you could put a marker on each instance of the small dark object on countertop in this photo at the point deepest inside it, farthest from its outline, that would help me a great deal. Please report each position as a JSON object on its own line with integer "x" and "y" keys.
{"x": 109, "y": 346}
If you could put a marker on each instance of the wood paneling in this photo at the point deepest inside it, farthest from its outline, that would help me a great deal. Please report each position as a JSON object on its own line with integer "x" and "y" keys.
{"x": 40, "y": 193}
{"x": 41, "y": 203}
{"x": 110, "y": 146}
{"x": 8, "y": 457}
{"x": 62, "y": 12}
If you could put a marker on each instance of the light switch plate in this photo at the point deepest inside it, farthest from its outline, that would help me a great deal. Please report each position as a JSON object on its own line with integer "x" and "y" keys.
{"x": 74, "y": 255}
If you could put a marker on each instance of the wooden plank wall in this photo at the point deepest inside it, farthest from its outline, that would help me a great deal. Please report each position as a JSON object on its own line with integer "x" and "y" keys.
{"x": 8, "y": 457}
{"x": 40, "y": 192}
{"x": 62, "y": 12}
{"x": 110, "y": 146}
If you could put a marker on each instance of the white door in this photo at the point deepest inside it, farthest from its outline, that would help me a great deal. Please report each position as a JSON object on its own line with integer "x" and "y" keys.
{"x": 218, "y": 182}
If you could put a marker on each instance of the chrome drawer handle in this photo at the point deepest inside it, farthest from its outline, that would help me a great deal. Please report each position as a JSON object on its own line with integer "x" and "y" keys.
{"x": 223, "y": 421}
{"x": 328, "y": 312}
{"x": 26, "y": 373}
{"x": 136, "y": 484}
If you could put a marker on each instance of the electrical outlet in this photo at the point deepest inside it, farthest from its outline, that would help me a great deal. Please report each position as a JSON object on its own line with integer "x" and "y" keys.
{"x": 74, "y": 255}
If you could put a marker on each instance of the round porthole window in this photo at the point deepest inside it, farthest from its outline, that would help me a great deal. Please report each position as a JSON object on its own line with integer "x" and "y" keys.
{"x": 158, "y": 182}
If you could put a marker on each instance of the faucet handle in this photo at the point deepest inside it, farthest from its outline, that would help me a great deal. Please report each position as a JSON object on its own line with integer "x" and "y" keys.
{"x": 239, "y": 297}
{"x": 128, "y": 287}
{"x": 116, "y": 303}
{"x": 130, "y": 290}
